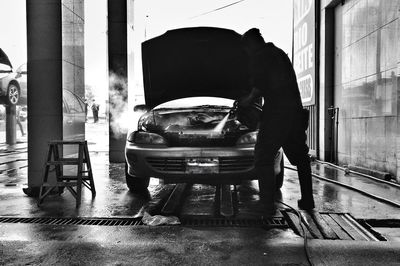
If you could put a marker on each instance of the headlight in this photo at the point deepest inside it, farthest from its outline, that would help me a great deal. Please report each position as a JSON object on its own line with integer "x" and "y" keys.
{"x": 140, "y": 137}
{"x": 249, "y": 138}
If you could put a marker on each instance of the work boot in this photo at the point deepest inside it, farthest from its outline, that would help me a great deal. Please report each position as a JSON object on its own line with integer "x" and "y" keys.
{"x": 269, "y": 211}
{"x": 305, "y": 179}
{"x": 307, "y": 205}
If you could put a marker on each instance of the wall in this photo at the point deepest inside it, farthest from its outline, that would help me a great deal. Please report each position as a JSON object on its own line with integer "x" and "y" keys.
{"x": 366, "y": 81}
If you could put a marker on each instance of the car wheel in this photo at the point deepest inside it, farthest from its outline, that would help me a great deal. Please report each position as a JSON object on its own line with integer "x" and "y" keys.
{"x": 279, "y": 177}
{"x": 134, "y": 183}
{"x": 13, "y": 94}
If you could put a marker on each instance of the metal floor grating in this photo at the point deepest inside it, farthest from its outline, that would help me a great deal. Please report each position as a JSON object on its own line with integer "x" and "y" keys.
{"x": 197, "y": 222}
{"x": 333, "y": 226}
{"x": 74, "y": 221}
{"x": 274, "y": 222}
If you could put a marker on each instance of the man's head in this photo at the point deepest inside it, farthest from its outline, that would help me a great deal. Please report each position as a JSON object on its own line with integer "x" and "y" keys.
{"x": 252, "y": 40}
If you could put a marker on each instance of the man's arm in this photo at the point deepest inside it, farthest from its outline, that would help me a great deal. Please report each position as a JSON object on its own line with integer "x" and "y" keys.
{"x": 250, "y": 98}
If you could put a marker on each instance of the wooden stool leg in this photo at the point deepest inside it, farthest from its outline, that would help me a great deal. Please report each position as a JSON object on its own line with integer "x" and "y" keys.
{"x": 79, "y": 176}
{"x": 42, "y": 192}
{"x": 59, "y": 168}
{"x": 47, "y": 192}
{"x": 89, "y": 169}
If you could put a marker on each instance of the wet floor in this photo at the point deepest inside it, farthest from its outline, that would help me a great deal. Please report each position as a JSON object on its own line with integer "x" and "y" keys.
{"x": 39, "y": 244}
{"x": 113, "y": 198}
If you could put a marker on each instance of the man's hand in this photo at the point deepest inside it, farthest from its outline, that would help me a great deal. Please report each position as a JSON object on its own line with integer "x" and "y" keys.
{"x": 245, "y": 101}
{"x": 249, "y": 99}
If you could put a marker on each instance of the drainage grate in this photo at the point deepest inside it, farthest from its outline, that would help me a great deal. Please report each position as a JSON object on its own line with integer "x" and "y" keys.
{"x": 274, "y": 222}
{"x": 75, "y": 221}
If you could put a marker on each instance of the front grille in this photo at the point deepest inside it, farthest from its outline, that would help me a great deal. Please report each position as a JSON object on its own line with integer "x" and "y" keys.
{"x": 226, "y": 164}
{"x": 167, "y": 164}
{"x": 232, "y": 164}
{"x": 200, "y": 140}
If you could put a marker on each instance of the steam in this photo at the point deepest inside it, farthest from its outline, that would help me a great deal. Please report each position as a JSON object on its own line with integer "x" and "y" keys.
{"x": 120, "y": 119}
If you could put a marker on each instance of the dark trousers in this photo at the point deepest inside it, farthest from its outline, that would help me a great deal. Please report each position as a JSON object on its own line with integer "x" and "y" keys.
{"x": 287, "y": 130}
{"x": 21, "y": 128}
{"x": 95, "y": 116}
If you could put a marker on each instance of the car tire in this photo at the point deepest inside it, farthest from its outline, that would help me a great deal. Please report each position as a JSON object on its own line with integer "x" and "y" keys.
{"x": 279, "y": 177}
{"x": 134, "y": 183}
{"x": 13, "y": 95}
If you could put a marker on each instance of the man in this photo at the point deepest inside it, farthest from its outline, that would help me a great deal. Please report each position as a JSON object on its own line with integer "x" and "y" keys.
{"x": 283, "y": 121}
{"x": 85, "y": 101}
{"x": 95, "y": 111}
{"x": 18, "y": 119}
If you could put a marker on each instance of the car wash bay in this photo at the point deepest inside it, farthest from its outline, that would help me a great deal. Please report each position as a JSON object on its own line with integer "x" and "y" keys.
{"x": 218, "y": 225}
{"x": 111, "y": 226}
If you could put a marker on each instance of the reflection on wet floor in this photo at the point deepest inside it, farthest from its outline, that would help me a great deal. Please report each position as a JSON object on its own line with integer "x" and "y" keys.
{"x": 360, "y": 182}
{"x": 200, "y": 202}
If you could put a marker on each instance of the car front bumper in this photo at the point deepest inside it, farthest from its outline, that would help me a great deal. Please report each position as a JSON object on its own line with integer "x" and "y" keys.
{"x": 191, "y": 164}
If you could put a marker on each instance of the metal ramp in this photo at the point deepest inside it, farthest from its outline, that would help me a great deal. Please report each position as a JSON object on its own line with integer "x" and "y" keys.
{"x": 330, "y": 225}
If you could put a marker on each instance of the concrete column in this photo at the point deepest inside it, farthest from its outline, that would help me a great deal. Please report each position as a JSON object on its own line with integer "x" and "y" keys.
{"x": 11, "y": 122}
{"x": 45, "y": 117}
{"x": 326, "y": 81}
{"x": 117, "y": 64}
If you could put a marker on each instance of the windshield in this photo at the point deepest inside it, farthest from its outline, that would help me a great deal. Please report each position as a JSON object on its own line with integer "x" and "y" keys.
{"x": 193, "y": 102}
{"x": 5, "y": 68}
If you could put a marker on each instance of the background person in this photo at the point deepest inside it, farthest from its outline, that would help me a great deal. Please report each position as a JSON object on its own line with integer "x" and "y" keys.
{"x": 95, "y": 111}
{"x": 18, "y": 119}
{"x": 85, "y": 101}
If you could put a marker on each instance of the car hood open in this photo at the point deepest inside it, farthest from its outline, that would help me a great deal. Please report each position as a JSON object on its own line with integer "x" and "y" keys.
{"x": 4, "y": 58}
{"x": 188, "y": 62}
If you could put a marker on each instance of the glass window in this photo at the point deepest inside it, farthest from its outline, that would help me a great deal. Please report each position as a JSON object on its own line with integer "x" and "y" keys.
{"x": 73, "y": 103}
{"x": 4, "y": 68}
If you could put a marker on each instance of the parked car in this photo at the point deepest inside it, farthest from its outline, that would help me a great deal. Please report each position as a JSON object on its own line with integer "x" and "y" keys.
{"x": 188, "y": 133}
{"x": 13, "y": 84}
{"x": 74, "y": 116}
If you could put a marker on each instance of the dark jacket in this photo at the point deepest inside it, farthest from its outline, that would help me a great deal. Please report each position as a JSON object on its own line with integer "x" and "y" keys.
{"x": 272, "y": 73}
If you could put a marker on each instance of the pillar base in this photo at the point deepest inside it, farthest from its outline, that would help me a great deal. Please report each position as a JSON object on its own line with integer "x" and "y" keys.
{"x": 31, "y": 191}
{"x": 34, "y": 191}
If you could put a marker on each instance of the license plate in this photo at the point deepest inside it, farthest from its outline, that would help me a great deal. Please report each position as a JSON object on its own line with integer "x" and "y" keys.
{"x": 202, "y": 166}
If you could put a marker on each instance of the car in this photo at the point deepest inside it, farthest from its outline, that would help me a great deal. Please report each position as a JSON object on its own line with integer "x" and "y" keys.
{"x": 13, "y": 84}
{"x": 74, "y": 116}
{"x": 191, "y": 131}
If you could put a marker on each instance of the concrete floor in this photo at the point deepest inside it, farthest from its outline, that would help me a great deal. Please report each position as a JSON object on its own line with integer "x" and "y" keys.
{"x": 36, "y": 244}
{"x": 96, "y": 245}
